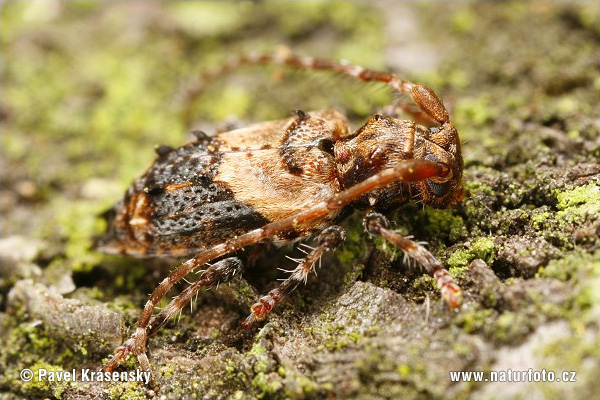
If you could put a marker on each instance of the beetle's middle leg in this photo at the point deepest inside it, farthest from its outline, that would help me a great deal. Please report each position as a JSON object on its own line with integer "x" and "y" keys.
{"x": 378, "y": 225}
{"x": 329, "y": 239}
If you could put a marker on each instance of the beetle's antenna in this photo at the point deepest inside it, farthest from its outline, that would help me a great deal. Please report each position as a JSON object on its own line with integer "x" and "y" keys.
{"x": 421, "y": 95}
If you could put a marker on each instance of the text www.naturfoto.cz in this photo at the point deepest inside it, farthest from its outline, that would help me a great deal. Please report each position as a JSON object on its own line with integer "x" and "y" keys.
{"x": 513, "y": 376}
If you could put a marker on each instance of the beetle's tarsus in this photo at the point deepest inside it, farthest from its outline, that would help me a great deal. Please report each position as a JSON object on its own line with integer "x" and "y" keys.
{"x": 378, "y": 225}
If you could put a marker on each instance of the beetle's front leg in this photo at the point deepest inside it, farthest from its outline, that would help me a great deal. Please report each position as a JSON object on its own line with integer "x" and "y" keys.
{"x": 218, "y": 273}
{"x": 377, "y": 225}
{"x": 329, "y": 239}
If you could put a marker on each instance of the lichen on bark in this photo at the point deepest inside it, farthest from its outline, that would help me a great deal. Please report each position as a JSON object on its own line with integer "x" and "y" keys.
{"x": 89, "y": 88}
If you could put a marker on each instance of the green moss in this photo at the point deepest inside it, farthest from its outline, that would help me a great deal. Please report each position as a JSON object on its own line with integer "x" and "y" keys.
{"x": 355, "y": 337}
{"x": 266, "y": 385}
{"x": 566, "y": 268}
{"x": 475, "y": 320}
{"x": 575, "y": 350}
{"x": 445, "y": 223}
{"x": 484, "y": 249}
{"x": 335, "y": 337}
{"x": 167, "y": 371}
{"x": 45, "y": 387}
{"x": 231, "y": 98}
{"x": 476, "y": 187}
{"x": 303, "y": 387}
{"x": 510, "y": 327}
{"x": 542, "y": 218}
{"x": 208, "y": 18}
{"x": 239, "y": 395}
{"x": 462, "y": 349}
{"x": 353, "y": 274}
{"x": 39, "y": 339}
{"x": 27, "y": 343}
{"x": 423, "y": 284}
{"x": 354, "y": 244}
{"x": 481, "y": 248}
{"x": 458, "y": 273}
{"x": 78, "y": 223}
{"x": 570, "y": 354}
{"x": 506, "y": 327}
{"x": 281, "y": 371}
{"x": 577, "y": 204}
{"x": 460, "y": 258}
{"x": 404, "y": 370}
{"x": 332, "y": 335}
{"x": 386, "y": 247}
{"x": 127, "y": 390}
{"x": 260, "y": 355}
{"x": 583, "y": 270}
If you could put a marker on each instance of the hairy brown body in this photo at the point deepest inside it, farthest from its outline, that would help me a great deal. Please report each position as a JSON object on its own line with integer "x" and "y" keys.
{"x": 206, "y": 192}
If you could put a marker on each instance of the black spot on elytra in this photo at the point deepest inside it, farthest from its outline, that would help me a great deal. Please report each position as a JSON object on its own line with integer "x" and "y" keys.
{"x": 295, "y": 170}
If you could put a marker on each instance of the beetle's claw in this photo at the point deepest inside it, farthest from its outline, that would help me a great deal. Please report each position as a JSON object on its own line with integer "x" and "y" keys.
{"x": 120, "y": 355}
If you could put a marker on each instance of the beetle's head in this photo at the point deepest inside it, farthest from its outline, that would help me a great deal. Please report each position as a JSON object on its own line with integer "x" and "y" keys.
{"x": 442, "y": 145}
{"x": 384, "y": 142}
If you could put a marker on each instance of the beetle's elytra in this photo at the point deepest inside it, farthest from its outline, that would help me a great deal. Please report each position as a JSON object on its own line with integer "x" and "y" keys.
{"x": 280, "y": 181}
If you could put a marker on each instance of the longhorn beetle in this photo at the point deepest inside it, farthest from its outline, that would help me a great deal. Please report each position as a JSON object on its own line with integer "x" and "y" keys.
{"x": 281, "y": 181}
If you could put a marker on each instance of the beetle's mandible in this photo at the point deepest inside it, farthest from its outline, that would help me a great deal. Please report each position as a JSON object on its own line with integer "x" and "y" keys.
{"x": 280, "y": 181}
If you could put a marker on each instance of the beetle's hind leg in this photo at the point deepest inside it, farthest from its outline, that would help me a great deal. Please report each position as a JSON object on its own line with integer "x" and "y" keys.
{"x": 377, "y": 225}
{"x": 329, "y": 239}
{"x": 218, "y": 273}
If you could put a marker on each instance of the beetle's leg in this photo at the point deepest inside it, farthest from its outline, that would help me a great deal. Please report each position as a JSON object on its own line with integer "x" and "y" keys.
{"x": 328, "y": 240}
{"x": 218, "y": 273}
{"x": 407, "y": 171}
{"x": 122, "y": 352}
{"x": 376, "y": 224}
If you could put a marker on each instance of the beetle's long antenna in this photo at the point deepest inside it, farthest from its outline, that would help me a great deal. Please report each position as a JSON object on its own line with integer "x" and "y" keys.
{"x": 421, "y": 95}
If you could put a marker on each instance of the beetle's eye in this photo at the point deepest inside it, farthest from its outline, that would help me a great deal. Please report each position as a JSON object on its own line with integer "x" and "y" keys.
{"x": 438, "y": 189}
{"x": 326, "y": 145}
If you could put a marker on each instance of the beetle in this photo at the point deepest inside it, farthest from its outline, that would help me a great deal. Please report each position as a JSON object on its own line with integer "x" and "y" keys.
{"x": 281, "y": 181}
